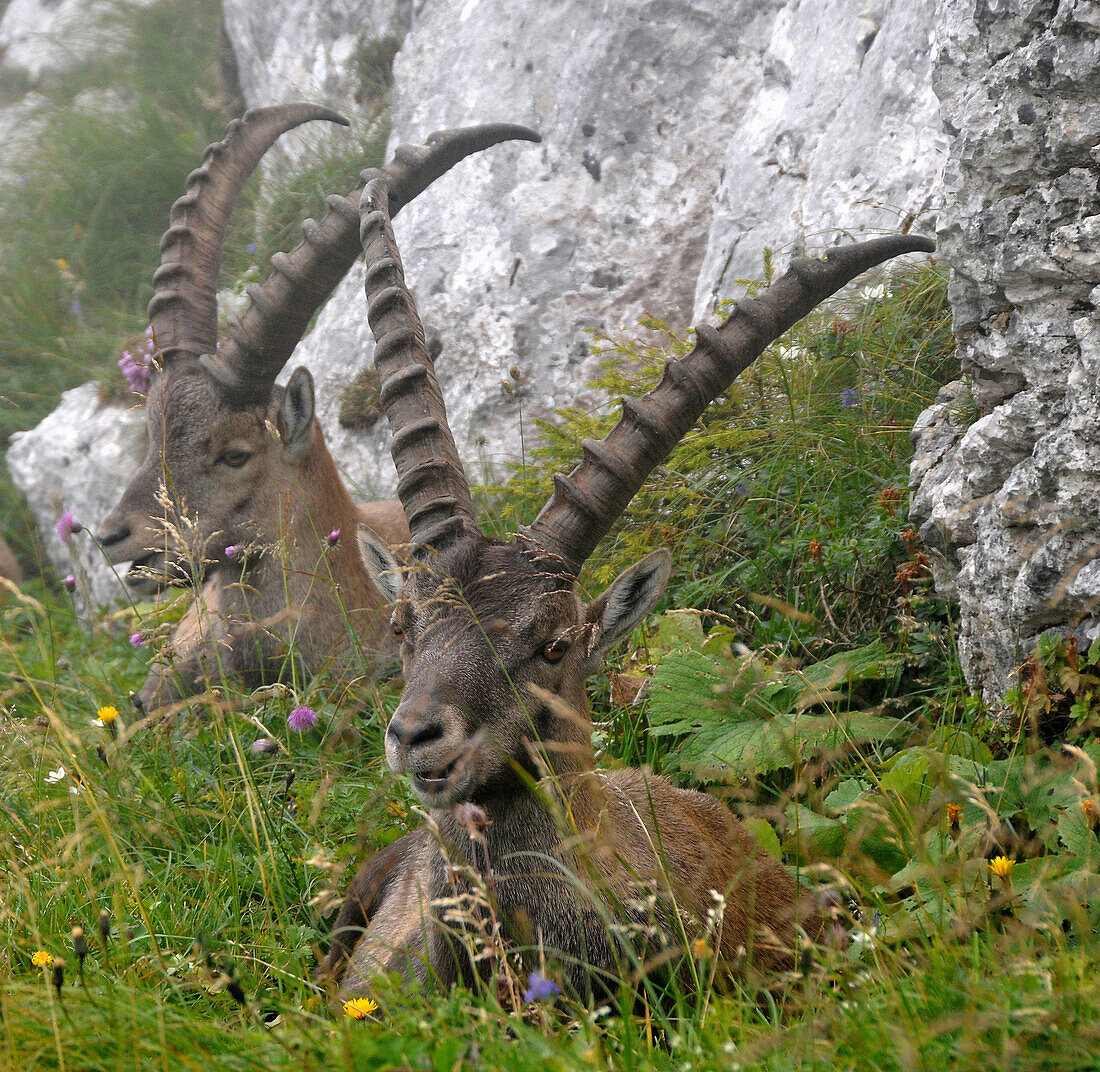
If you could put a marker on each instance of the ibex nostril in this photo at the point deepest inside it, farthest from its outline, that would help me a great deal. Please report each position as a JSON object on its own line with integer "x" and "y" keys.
{"x": 109, "y": 537}
{"x": 414, "y": 732}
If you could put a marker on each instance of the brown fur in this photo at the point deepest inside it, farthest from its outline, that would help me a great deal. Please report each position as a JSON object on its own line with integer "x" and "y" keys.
{"x": 284, "y": 586}
{"x": 9, "y": 565}
{"x": 513, "y": 732}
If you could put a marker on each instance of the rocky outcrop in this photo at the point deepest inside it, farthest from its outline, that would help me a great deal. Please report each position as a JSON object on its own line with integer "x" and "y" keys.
{"x": 680, "y": 138}
{"x": 1006, "y": 479}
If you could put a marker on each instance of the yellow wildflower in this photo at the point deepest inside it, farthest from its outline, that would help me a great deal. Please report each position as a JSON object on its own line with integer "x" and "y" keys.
{"x": 107, "y": 714}
{"x": 360, "y": 1008}
{"x": 1002, "y": 867}
{"x": 954, "y": 816}
{"x": 42, "y": 959}
{"x": 699, "y": 948}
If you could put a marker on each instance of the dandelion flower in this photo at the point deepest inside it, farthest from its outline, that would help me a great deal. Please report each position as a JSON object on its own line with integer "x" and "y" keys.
{"x": 1002, "y": 867}
{"x": 954, "y": 816}
{"x": 360, "y": 1008}
{"x": 106, "y": 715}
{"x": 42, "y": 959}
{"x": 539, "y": 988}
{"x": 302, "y": 719}
{"x": 1090, "y": 812}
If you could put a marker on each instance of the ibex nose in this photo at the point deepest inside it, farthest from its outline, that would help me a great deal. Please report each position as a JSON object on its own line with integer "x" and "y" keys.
{"x": 415, "y": 723}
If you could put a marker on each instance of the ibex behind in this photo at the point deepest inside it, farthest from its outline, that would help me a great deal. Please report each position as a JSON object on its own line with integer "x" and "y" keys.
{"x": 494, "y": 726}
{"x": 237, "y": 485}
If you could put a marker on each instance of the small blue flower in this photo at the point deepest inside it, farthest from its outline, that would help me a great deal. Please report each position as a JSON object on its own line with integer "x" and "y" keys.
{"x": 251, "y": 247}
{"x": 849, "y": 397}
{"x": 539, "y": 988}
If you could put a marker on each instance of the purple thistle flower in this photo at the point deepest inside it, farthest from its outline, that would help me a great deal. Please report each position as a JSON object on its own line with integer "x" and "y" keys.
{"x": 136, "y": 370}
{"x": 849, "y": 397}
{"x": 66, "y": 526}
{"x": 302, "y": 719}
{"x": 137, "y": 639}
{"x": 334, "y": 537}
{"x": 262, "y": 745}
{"x": 69, "y": 583}
{"x": 230, "y": 551}
{"x": 539, "y": 988}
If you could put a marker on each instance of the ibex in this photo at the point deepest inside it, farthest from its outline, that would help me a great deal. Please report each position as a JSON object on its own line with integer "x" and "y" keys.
{"x": 494, "y": 727}
{"x": 237, "y": 482}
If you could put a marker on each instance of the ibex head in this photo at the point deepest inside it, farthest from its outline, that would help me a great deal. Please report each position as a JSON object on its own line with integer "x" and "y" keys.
{"x": 496, "y": 647}
{"x": 225, "y": 445}
{"x": 495, "y": 643}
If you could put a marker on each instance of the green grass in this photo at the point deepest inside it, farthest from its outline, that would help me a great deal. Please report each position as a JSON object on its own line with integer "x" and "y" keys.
{"x": 219, "y": 866}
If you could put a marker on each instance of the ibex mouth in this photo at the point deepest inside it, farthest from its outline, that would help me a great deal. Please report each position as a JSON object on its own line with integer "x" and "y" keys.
{"x": 443, "y": 787}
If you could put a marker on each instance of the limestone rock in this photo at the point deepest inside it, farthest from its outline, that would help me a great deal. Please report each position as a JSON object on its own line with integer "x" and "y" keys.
{"x": 680, "y": 138}
{"x": 1012, "y": 499}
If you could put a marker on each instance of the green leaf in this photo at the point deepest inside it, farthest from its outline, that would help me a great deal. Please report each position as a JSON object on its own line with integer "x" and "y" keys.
{"x": 845, "y": 794}
{"x": 1075, "y": 833}
{"x": 740, "y": 716}
{"x": 764, "y": 833}
{"x": 676, "y": 630}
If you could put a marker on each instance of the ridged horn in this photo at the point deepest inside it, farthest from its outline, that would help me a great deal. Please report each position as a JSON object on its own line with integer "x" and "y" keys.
{"x": 184, "y": 307}
{"x": 431, "y": 484}
{"x": 587, "y": 503}
{"x": 258, "y": 344}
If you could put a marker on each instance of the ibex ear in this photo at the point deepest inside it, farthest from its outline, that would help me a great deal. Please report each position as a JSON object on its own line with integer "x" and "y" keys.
{"x": 296, "y": 414}
{"x": 382, "y": 567}
{"x": 625, "y": 602}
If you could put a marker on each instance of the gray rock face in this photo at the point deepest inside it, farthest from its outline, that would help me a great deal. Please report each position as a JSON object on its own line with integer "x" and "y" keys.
{"x": 1012, "y": 500}
{"x": 680, "y": 138}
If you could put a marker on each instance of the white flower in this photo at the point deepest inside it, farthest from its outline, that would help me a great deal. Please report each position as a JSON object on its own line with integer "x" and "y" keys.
{"x": 73, "y": 791}
{"x": 54, "y": 776}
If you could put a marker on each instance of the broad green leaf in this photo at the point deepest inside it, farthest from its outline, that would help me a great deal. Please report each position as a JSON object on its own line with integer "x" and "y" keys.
{"x": 764, "y": 833}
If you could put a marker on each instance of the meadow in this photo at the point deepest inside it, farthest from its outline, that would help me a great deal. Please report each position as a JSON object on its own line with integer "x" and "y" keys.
{"x": 800, "y": 666}
{"x": 165, "y": 892}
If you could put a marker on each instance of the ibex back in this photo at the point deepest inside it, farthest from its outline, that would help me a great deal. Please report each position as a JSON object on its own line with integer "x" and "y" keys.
{"x": 238, "y": 490}
{"x": 494, "y": 727}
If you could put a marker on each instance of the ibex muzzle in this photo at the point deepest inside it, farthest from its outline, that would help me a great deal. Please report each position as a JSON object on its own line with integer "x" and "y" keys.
{"x": 496, "y": 646}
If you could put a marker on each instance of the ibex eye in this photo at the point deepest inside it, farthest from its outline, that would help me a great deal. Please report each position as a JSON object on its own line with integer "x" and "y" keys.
{"x": 235, "y": 458}
{"x": 398, "y": 631}
{"x": 555, "y": 651}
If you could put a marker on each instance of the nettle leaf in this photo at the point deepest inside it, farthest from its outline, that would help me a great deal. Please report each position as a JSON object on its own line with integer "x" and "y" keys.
{"x": 740, "y": 716}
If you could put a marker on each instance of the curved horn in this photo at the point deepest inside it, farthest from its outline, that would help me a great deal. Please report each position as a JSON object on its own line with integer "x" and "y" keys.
{"x": 184, "y": 307}
{"x": 259, "y": 343}
{"x": 430, "y": 481}
{"x": 587, "y": 503}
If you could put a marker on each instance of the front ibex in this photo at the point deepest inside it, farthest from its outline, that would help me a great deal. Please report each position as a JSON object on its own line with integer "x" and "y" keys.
{"x": 237, "y": 483}
{"x": 494, "y": 727}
